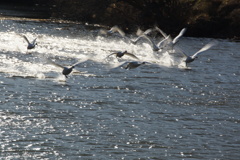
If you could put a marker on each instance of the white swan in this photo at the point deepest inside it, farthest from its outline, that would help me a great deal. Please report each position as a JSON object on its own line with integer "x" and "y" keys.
{"x": 120, "y": 54}
{"x": 32, "y": 44}
{"x": 171, "y": 43}
{"x": 66, "y": 70}
{"x": 190, "y": 59}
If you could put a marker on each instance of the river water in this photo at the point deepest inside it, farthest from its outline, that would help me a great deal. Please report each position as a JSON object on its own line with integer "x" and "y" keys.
{"x": 160, "y": 110}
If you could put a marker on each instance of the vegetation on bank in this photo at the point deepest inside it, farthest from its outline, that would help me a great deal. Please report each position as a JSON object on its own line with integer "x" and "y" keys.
{"x": 203, "y": 18}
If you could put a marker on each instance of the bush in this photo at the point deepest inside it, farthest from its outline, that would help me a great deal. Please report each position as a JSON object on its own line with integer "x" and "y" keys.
{"x": 202, "y": 17}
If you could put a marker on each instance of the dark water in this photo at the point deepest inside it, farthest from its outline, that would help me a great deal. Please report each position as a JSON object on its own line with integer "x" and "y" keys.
{"x": 156, "y": 111}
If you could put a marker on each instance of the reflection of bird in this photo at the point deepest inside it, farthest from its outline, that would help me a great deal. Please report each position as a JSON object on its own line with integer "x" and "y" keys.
{"x": 190, "y": 59}
{"x": 32, "y": 44}
{"x": 66, "y": 70}
{"x": 120, "y": 54}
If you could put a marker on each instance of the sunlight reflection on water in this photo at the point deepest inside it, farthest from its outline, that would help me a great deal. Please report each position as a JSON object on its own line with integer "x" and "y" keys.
{"x": 156, "y": 111}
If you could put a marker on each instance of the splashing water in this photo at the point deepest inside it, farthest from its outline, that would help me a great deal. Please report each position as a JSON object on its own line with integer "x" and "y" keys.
{"x": 156, "y": 111}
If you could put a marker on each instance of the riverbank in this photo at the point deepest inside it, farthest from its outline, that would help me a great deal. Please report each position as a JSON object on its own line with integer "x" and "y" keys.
{"x": 212, "y": 19}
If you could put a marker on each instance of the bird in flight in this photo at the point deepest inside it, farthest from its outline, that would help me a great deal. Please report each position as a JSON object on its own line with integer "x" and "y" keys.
{"x": 65, "y": 70}
{"x": 30, "y": 45}
{"x": 131, "y": 64}
{"x": 120, "y": 54}
{"x": 171, "y": 42}
{"x": 190, "y": 59}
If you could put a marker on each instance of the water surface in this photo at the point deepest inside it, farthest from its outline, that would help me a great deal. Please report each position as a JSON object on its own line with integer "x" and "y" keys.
{"x": 157, "y": 111}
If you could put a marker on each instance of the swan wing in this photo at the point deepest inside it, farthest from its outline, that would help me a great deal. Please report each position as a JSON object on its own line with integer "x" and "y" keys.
{"x": 148, "y": 31}
{"x": 140, "y": 32}
{"x": 161, "y": 43}
{"x": 181, "y": 51}
{"x": 103, "y": 31}
{"x": 55, "y": 64}
{"x": 160, "y": 31}
{"x": 175, "y": 40}
{"x": 151, "y": 41}
{"x": 131, "y": 55}
{"x": 34, "y": 41}
{"x": 205, "y": 48}
{"x": 84, "y": 60}
{"x": 111, "y": 54}
{"x": 117, "y": 29}
{"x": 134, "y": 41}
{"x": 26, "y": 39}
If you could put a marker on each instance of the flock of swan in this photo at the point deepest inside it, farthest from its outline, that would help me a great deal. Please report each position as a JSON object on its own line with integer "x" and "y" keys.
{"x": 166, "y": 43}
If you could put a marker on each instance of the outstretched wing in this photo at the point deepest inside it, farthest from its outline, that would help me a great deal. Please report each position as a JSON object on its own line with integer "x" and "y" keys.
{"x": 154, "y": 46}
{"x": 26, "y": 39}
{"x": 175, "y": 40}
{"x": 163, "y": 33}
{"x": 103, "y": 31}
{"x": 122, "y": 65}
{"x": 140, "y": 32}
{"x": 53, "y": 63}
{"x": 131, "y": 55}
{"x": 116, "y": 29}
{"x": 181, "y": 51}
{"x": 79, "y": 62}
{"x": 34, "y": 41}
{"x": 111, "y": 54}
{"x": 161, "y": 43}
{"x": 134, "y": 41}
{"x": 205, "y": 48}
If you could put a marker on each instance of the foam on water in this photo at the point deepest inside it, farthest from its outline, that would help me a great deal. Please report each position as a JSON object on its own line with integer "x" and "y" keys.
{"x": 156, "y": 111}
{"x": 68, "y": 49}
